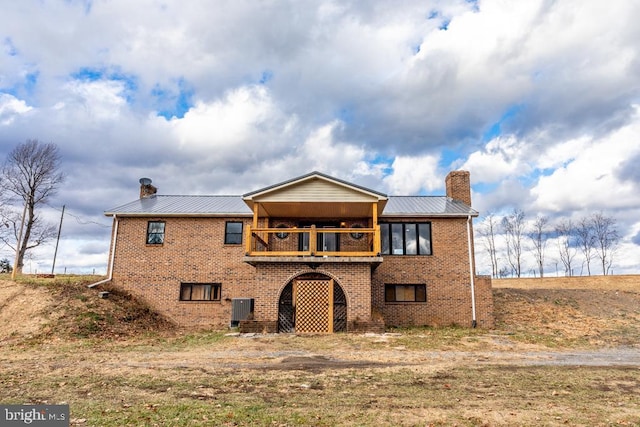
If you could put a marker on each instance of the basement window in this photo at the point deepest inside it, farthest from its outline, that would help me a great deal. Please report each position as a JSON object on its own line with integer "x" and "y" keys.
{"x": 200, "y": 291}
{"x": 405, "y": 293}
{"x": 155, "y": 232}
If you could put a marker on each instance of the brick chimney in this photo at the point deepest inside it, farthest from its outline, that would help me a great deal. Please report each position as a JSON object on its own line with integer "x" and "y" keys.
{"x": 146, "y": 189}
{"x": 458, "y": 186}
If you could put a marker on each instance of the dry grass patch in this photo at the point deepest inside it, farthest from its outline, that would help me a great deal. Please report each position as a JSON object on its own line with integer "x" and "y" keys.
{"x": 456, "y": 394}
{"x": 629, "y": 283}
{"x": 569, "y": 317}
{"x": 39, "y": 308}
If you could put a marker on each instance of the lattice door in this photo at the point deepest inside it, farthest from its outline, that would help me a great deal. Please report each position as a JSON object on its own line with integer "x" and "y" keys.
{"x": 286, "y": 311}
{"x": 339, "y": 309}
{"x": 314, "y": 306}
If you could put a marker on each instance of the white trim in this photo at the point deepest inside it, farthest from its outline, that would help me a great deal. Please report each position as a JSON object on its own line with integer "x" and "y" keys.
{"x": 113, "y": 255}
{"x": 471, "y": 274}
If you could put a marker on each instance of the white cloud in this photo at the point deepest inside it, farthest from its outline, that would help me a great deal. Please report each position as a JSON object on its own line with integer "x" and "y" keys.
{"x": 413, "y": 175}
{"x": 243, "y": 128}
{"x": 229, "y": 121}
{"x": 95, "y": 101}
{"x": 561, "y": 153}
{"x": 508, "y": 194}
{"x": 591, "y": 180}
{"x": 11, "y": 107}
{"x": 502, "y": 157}
{"x": 323, "y": 153}
{"x": 320, "y": 151}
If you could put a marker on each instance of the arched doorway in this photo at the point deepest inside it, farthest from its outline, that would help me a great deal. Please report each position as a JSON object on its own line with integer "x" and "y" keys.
{"x": 312, "y": 303}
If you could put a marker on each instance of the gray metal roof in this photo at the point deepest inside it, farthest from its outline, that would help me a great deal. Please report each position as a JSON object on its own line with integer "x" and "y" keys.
{"x": 426, "y": 206}
{"x": 159, "y": 205}
{"x": 184, "y": 206}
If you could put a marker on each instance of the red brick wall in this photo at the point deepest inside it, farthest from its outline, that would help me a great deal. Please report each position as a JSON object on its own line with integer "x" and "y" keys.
{"x": 355, "y": 280}
{"x": 194, "y": 251}
{"x": 484, "y": 302}
{"x": 447, "y": 279}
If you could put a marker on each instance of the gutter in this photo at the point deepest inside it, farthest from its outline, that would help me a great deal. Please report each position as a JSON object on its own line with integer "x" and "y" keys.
{"x": 474, "y": 322}
{"x": 426, "y": 215}
{"x": 113, "y": 255}
{"x": 182, "y": 214}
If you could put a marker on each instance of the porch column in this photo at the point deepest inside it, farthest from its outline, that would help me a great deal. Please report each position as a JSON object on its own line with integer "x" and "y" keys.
{"x": 256, "y": 208}
{"x": 374, "y": 215}
{"x": 376, "y": 234}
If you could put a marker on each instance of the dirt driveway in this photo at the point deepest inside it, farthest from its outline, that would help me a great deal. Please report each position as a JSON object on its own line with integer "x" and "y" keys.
{"x": 257, "y": 352}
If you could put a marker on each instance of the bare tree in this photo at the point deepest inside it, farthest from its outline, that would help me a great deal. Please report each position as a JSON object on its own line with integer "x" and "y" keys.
{"x": 539, "y": 237}
{"x": 514, "y": 227}
{"x": 504, "y": 272}
{"x": 606, "y": 237}
{"x": 565, "y": 233}
{"x": 30, "y": 175}
{"x": 586, "y": 240}
{"x": 488, "y": 231}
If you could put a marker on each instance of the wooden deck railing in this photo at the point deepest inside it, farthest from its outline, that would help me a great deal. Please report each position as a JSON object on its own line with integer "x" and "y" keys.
{"x": 353, "y": 242}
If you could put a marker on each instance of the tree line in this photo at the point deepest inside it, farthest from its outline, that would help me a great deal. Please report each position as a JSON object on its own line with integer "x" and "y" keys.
{"x": 593, "y": 237}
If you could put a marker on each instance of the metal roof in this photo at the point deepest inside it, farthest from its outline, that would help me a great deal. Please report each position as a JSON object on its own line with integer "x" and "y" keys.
{"x": 160, "y": 205}
{"x": 184, "y": 206}
{"x": 426, "y": 206}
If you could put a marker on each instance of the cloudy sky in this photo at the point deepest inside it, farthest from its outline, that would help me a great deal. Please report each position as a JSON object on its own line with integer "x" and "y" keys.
{"x": 539, "y": 100}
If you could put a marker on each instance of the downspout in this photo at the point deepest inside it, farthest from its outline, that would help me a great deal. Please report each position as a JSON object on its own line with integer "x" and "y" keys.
{"x": 113, "y": 255}
{"x": 474, "y": 322}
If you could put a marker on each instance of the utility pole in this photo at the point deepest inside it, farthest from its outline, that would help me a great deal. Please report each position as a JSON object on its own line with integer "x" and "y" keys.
{"x": 55, "y": 253}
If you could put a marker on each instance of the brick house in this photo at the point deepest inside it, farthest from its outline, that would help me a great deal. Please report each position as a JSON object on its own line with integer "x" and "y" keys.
{"x": 312, "y": 254}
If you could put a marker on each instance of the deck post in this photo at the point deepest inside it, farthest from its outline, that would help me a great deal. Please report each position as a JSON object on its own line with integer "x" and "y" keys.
{"x": 374, "y": 214}
{"x": 313, "y": 239}
{"x": 256, "y": 208}
{"x": 247, "y": 240}
{"x": 376, "y": 228}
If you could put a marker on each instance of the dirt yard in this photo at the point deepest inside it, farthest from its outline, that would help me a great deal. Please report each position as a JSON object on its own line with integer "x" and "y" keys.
{"x": 561, "y": 354}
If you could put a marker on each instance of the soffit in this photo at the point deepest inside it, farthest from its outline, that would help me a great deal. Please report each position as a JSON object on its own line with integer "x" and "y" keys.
{"x": 316, "y": 210}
